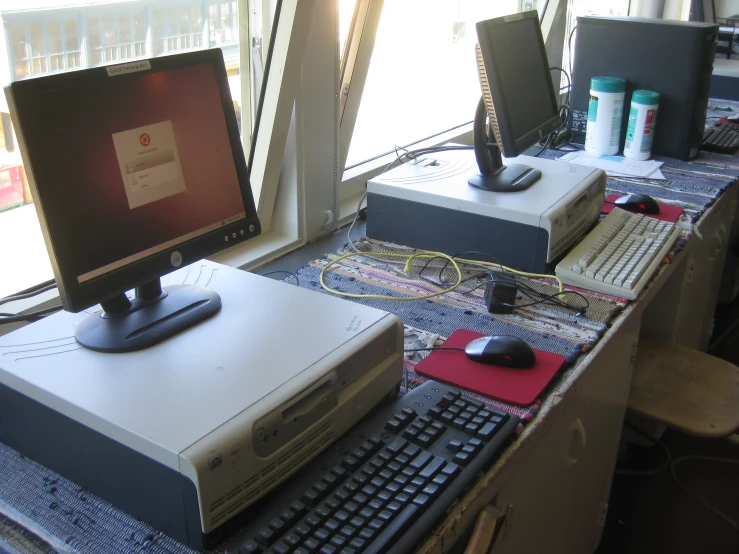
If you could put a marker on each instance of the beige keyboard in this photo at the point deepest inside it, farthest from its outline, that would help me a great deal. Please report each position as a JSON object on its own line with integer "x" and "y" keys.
{"x": 620, "y": 255}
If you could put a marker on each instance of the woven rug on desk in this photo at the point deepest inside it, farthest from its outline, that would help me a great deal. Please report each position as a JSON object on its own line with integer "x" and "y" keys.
{"x": 693, "y": 186}
{"x": 544, "y": 326}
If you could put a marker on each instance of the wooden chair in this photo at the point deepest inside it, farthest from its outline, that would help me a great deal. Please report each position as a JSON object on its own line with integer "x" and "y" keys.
{"x": 687, "y": 390}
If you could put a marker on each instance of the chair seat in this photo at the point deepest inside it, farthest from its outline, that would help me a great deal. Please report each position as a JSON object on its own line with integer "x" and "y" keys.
{"x": 685, "y": 389}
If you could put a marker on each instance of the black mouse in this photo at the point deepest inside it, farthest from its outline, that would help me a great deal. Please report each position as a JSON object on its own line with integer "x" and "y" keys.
{"x": 639, "y": 203}
{"x": 502, "y": 350}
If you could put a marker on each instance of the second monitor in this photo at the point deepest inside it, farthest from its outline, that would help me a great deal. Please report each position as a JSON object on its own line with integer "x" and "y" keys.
{"x": 517, "y": 96}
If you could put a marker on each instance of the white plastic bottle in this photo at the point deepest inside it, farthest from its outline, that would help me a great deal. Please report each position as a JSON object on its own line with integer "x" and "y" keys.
{"x": 640, "y": 130}
{"x": 605, "y": 110}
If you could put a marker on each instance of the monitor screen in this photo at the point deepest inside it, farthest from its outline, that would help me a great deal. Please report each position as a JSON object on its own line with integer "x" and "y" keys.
{"x": 521, "y": 73}
{"x": 136, "y": 169}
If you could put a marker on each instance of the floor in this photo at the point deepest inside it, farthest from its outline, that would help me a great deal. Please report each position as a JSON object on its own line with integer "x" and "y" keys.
{"x": 652, "y": 515}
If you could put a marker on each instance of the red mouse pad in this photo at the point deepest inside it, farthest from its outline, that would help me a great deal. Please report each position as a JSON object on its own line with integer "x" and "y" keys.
{"x": 521, "y": 386}
{"x": 666, "y": 212}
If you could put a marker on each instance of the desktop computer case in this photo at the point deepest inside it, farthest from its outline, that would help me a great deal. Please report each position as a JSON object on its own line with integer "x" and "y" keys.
{"x": 188, "y": 434}
{"x": 673, "y": 58}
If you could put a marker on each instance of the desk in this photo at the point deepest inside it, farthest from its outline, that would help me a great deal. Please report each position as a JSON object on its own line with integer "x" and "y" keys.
{"x": 557, "y": 475}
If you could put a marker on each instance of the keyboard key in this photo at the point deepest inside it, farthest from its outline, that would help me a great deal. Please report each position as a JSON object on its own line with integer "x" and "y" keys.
{"x": 469, "y": 449}
{"x": 377, "y": 503}
{"x": 430, "y": 490}
{"x": 394, "y": 530}
{"x": 288, "y": 516}
{"x": 459, "y": 423}
{"x": 250, "y": 547}
{"x": 340, "y": 472}
{"x": 327, "y": 549}
{"x": 440, "y": 480}
{"x": 311, "y": 544}
{"x": 350, "y": 463}
{"x": 421, "y": 460}
{"x": 348, "y": 531}
{"x": 366, "y": 534}
{"x": 266, "y": 536}
{"x": 338, "y": 541}
{"x": 487, "y": 431}
{"x": 357, "y": 543}
{"x": 447, "y": 400}
{"x": 312, "y": 520}
{"x": 281, "y": 548}
{"x": 357, "y": 522}
{"x": 310, "y": 498}
{"x": 291, "y": 539}
{"x": 395, "y": 467}
{"x": 424, "y": 440}
{"x": 366, "y": 512}
{"x": 332, "y": 525}
{"x": 471, "y": 428}
{"x": 375, "y": 524}
{"x": 430, "y": 470}
{"x": 411, "y": 450}
{"x": 341, "y": 516}
{"x": 462, "y": 458}
{"x": 475, "y": 442}
{"x": 450, "y": 469}
{"x": 402, "y": 459}
{"x": 321, "y": 535}
{"x": 397, "y": 445}
{"x": 455, "y": 445}
{"x": 301, "y": 529}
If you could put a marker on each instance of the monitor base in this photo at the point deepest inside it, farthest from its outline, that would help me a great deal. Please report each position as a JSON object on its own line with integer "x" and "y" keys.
{"x": 177, "y": 308}
{"x": 510, "y": 178}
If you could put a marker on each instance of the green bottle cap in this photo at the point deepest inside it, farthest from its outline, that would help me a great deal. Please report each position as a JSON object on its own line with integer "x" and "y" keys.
{"x": 608, "y": 84}
{"x": 647, "y": 97}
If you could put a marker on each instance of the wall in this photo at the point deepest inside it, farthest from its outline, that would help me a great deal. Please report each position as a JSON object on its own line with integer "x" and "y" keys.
{"x": 725, "y": 8}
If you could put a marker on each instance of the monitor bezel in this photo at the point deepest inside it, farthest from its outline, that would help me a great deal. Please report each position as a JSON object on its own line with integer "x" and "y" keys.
{"x": 513, "y": 146}
{"x": 76, "y": 296}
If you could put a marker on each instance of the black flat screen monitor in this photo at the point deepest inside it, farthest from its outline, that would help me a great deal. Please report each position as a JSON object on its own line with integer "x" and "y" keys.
{"x": 136, "y": 169}
{"x": 517, "y": 96}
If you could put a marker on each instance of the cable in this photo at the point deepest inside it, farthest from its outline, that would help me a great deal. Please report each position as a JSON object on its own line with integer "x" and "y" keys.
{"x": 646, "y": 472}
{"x": 407, "y": 268}
{"x": 30, "y": 294}
{"x": 297, "y": 281}
{"x": 694, "y": 496}
{"x": 516, "y": 271}
{"x": 31, "y": 316}
{"x": 434, "y": 348}
{"x": 569, "y": 48}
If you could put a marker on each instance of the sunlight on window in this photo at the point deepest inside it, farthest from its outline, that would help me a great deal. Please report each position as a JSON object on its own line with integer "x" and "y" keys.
{"x": 422, "y": 78}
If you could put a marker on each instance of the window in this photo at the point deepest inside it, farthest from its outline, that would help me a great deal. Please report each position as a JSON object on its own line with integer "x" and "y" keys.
{"x": 59, "y": 38}
{"x": 423, "y": 60}
{"x": 44, "y": 47}
{"x": 577, "y": 8}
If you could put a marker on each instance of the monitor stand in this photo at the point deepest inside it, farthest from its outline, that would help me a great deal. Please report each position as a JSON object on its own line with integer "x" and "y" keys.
{"x": 155, "y": 314}
{"x": 494, "y": 176}
{"x": 504, "y": 178}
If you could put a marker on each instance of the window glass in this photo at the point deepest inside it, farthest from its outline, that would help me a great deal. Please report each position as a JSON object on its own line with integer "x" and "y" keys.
{"x": 48, "y": 40}
{"x": 422, "y": 78}
{"x": 577, "y": 8}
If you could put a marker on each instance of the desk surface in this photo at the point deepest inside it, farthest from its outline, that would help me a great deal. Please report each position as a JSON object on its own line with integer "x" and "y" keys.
{"x": 610, "y": 352}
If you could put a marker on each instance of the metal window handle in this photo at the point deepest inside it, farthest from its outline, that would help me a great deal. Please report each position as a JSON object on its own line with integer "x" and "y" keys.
{"x": 576, "y": 443}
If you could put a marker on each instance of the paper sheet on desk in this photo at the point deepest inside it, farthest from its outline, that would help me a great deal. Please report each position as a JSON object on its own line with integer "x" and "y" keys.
{"x": 617, "y": 166}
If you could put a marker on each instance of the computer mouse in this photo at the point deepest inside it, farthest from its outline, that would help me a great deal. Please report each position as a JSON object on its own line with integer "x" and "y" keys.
{"x": 639, "y": 203}
{"x": 502, "y": 350}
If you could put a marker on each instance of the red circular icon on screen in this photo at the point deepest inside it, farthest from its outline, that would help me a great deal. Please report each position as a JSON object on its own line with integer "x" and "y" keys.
{"x": 144, "y": 139}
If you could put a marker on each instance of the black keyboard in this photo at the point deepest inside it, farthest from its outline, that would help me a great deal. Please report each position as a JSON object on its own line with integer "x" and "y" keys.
{"x": 384, "y": 485}
{"x": 723, "y": 138}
